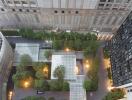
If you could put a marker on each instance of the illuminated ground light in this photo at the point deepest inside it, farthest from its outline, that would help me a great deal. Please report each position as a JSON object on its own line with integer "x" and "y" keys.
{"x": 87, "y": 64}
{"x": 109, "y": 85}
{"x": 67, "y": 49}
{"x": 10, "y": 95}
{"x": 76, "y": 70}
{"x": 110, "y": 88}
{"x": 26, "y": 84}
{"x": 107, "y": 63}
{"x": 45, "y": 70}
{"x": 87, "y": 61}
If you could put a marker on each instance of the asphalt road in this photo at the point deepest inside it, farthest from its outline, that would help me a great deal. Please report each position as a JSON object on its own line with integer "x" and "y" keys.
{"x": 102, "y": 87}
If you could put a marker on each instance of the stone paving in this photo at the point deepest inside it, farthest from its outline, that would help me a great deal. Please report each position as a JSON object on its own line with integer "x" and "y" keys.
{"x": 21, "y": 93}
{"x": 102, "y": 86}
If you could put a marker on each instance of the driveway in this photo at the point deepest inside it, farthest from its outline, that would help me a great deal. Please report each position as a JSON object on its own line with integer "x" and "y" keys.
{"x": 102, "y": 87}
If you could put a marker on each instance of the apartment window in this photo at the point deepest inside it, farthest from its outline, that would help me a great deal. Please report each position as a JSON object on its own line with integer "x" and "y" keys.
{"x": 127, "y": 1}
{"x": 20, "y": 10}
{"x": 24, "y": 2}
{"x": 32, "y": 2}
{"x": 118, "y": 1}
{"x": 55, "y": 11}
{"x": 34, "y": 11}
{"x": 76, "y": 12}
{"x": 9, "y": 2}
{"x": 63, "y": 11}
{"x": 114, "y": 8}
{"x": 101, "y": 5}
{"x": 108, "y": 5}
{"x": 13, "y": 10}
{"x": 2, "y": 9}
{"x": 102, "y": 0}
{"x": 27, "y": 10}
{"x": 16, "y": 2}
{"x": 122, "y": 8}
{"x": 110, "y": 0}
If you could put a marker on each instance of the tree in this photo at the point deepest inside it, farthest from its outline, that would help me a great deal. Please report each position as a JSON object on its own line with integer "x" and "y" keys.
{"x": 25, "y": 61}
{"x": 47, "y": 54}
{"x": 21, "y": 76}
{"x": 40, "y": 75}
{"x": 87, "y": 85}
{"x": 58, "y": 44}
{"x": 38, "y": 66}
{"x": 33, "y": 98}
{"x": 78, "y": 44}
{"x": 87, "y": 51}
{"x": 65, "y": 86}
{"x": 41, "y": 84}
{"x": 42, "y": 70}
{"x": 59, "y": 72}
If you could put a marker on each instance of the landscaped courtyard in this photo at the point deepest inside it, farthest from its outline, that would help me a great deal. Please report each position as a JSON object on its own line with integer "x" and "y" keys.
{"x": 38, "y": 70}
{"x": 36, "y": 75}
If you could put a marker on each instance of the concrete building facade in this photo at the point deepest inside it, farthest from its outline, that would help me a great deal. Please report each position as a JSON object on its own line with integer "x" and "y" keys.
{"x": 103, "y": 16}
{"x": 6, "y": 60}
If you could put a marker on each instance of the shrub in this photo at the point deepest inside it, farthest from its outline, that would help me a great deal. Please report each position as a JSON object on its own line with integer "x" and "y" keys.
{"x": 55, "y": 85}
{"x": 106, "y": 53}
{"x": 10, "y": 33}
{"x": 20, "y": 77}
{"x": 33, "y": 98}
{"x": 115, "y": 94}
{"x": 94, "y": 84}
{"x": 41, "y": 85}
{"x": 51, "y": 98}
{"x": 109, "y": 73}
{"x": 65, "y": 86}
{"x": 87, "y": 85}
{"x": 92, "y": 74}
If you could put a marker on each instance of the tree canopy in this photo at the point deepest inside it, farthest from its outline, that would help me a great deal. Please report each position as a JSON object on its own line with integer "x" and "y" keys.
{"x": 59, "y": 72}
{"x": 115, "y": 94}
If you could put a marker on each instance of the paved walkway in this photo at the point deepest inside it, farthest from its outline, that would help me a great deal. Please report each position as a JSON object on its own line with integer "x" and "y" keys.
{"x": 21, "y": 93}
{"x": 102, "y": 90}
